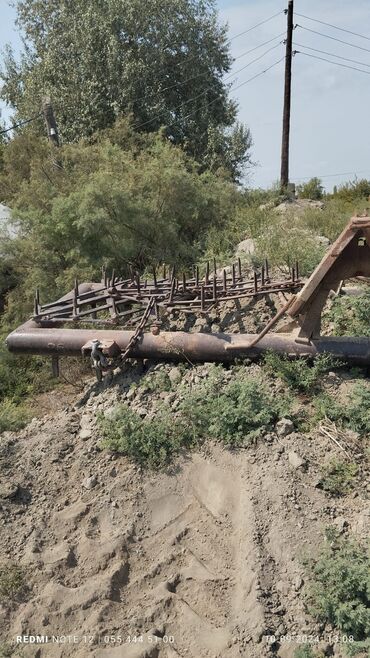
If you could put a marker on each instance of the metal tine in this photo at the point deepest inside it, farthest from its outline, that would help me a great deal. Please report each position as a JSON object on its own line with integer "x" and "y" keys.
{"x": 202, "y": 308}
{"x": 233, "y": 274}
{"x": 75, "y": 298}
{"x": 267, "y": 268}
{"x": 224, "y": 280}
{"x": 146, "y": 283}
{"x": 37, "y": 302}
{"x": 197, "y": 277}
{"x": 255, "y": 277}
{"x": 172, "y": 291}
{"x": 173, "y": 273}
{"x": 113, "y": 279}
{"x": 154, "y": 277}
{"x": 138, "y": 284}
{"x": 103, "y": 274}
{"x": 293, "y": 274}
{"x": 215, "y": 267}
{"x": 164, "y": 271}
{"x": 105, "y": 278}
{"x": 263, "y": 275}
{"x": 240, "y": 268}
{"x": 297, "y": 269}
{"x": 184, "y": 282}
{"x": 194, "y": 269}
{"x": 214, "y": 287}
{"x": 156, "y": 308}
{"x": 207, "y": 274}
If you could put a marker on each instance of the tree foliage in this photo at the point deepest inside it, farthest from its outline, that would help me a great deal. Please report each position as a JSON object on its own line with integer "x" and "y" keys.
{"x": 162, "y": 62}
{"x": 124, "y": 200}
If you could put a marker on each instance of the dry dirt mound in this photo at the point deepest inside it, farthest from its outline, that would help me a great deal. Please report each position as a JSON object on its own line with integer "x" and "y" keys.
{"x": 200, "y": 562}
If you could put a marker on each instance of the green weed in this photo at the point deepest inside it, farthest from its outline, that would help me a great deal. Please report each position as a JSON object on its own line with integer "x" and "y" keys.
{"x": 354, "y": 415}
{"x": 300, "y": 374}
{"x": 338, "y": 477}
{"x": 339, "y": 588}
{"x": 12, "y": 582}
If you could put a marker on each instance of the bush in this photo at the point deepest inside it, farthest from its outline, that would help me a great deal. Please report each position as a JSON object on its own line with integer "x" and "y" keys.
{"x": 338, "y": 477}
{"x": 12, "y": 416}
{"x": 152, "y": 443}
{"x": 355, "y": 415}
{"x": 235, "y": 413}
{"x": 313, "y": 189}
{"x": 300, "y": 375}
{"x": 350, "y": 315}
{"x": 12, "y": 582}
{"x": 339, "y": 588}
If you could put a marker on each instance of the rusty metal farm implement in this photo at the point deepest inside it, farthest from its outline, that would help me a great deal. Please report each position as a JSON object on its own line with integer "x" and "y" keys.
{"x": 122, "y": 318}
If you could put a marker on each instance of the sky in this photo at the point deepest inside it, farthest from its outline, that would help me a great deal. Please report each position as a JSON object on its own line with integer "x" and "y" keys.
{"x": 330, "y": 136}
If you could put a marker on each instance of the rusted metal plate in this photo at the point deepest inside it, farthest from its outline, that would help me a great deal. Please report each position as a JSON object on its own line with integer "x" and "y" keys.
{"x": 345, "y": 259}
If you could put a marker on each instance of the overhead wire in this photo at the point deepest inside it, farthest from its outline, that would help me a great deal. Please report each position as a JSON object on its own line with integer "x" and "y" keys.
{"x": 336, "y": 27}
{"x": 323, "y": 59}
{"x": 343, "y": 173}
{"x": 240, "y": 34}
{"x": 199, "y": 75}
{"x": 203, "y": 93}
{"x": 242, "y": 84}
{"x": 327, "y": 36}
{"x": 323, "y": 52}
{"x": 21, "y": 123}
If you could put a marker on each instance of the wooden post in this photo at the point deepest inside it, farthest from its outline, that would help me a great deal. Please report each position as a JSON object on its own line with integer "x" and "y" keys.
{"x": 284, "y": 180}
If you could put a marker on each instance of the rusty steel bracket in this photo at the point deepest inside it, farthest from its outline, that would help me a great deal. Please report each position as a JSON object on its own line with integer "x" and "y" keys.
{"x": 348, "y": 257}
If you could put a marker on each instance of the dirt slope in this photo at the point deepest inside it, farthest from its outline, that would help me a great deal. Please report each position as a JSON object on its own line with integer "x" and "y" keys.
{"x": 203, "y": 561}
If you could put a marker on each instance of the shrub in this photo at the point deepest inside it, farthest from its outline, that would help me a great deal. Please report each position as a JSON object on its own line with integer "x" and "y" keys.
{"x": 350, "y": 315}
{"x": 12, "y": 416}
{"x": 152, "y": 443}
{"x": 300, "y": 375}
{"x": 355, "y": 415}
{"x": 235, "y": 413}
{"x": 338, "y": 477}
{"x": 339, "y": 588}
{"x": 12, "y": 582}
{"x": 313, "y": 189}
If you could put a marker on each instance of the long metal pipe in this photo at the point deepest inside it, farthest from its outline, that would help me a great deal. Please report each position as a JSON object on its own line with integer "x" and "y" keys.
{"x": 182, "y": 346}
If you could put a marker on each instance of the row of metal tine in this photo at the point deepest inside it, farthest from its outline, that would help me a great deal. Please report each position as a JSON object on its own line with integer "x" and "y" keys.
{"x": 210, "y": 287}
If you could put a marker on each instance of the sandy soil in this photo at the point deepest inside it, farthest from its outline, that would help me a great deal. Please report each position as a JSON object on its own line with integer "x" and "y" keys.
{"x": 200, "y": 562}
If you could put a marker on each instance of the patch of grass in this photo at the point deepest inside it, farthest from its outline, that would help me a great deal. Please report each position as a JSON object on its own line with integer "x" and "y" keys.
{"x": 338, "y": 477}
{"x": 300, "y": 375}
{"x": 152, "y": 443}
{"x": 235, "y": 413}
{"x": 339, "y": 587}
{"x": 354, "y": 415}
{"x": 350, "y": 315}
{"x": 12, "y": 582}
{"x": 12, "y": 416}
{"x": 158, "y": 382}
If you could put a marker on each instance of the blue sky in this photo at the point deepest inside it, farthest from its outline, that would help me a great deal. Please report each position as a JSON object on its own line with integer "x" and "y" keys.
{"x": 330, "y": 104}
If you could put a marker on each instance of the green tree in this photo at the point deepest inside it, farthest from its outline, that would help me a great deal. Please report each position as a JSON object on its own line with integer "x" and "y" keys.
{"x": 313, "y": 189}
{"x": 123, "y": 199}
{"x": 161, "y": 61}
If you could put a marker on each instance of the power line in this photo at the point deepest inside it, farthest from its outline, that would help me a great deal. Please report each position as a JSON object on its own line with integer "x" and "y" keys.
{"x": 203, "y": 93}
{"x": 255, "y": 26}
{"x": 21, "y": 123}
{"x": 344, "y": 173}
{"x": 199, "y": 75}
{"x": 323, "y": 59}
{"x": 353, "y": 45}
{"x": 336, "y": 27}
{"x": 241, "y": 85}
{"x": 323, "y": 52}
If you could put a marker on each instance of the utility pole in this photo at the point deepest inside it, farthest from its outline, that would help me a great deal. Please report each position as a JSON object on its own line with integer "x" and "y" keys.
{"x": 51, "y": 124}
{"x": 284, "y": 179}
